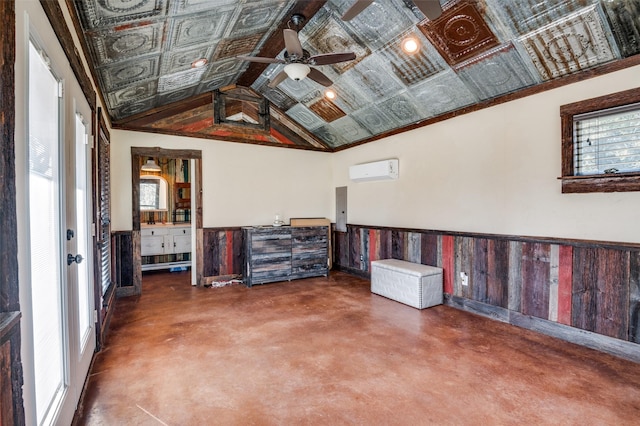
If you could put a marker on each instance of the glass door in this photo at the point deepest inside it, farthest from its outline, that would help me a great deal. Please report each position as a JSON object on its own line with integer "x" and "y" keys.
{"x": 79, "y": 255}
{"x": 45, "y": 206}
{"x": 61, "y": 305}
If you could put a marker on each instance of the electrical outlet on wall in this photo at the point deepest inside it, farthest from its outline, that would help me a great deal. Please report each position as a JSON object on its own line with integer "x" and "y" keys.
{"x": 464, "y": 279}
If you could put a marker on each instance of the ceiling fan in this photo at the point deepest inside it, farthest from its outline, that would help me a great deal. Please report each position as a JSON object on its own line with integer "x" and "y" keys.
{"x": 430, "y": 8}
{"x": 298, "y": 61}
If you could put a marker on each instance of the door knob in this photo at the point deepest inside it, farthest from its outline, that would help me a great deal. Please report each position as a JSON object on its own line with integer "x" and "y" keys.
{"x": 71, "y": 258}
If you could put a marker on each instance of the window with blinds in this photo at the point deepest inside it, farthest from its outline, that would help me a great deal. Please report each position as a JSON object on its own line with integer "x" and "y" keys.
{"x": 601, "y": 143}
{"x": 607, "y": 141}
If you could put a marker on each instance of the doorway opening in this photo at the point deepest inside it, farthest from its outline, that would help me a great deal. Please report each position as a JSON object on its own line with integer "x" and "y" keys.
{"x": 170, "y": 216}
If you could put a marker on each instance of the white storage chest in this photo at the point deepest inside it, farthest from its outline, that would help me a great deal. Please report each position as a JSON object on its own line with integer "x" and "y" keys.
{"x": 410, "y": 283}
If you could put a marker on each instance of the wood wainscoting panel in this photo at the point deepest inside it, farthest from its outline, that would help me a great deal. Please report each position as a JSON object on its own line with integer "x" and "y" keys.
{"x": 600, "y": 299}
{"x": 536, "y": 267}
{"x": 498, "y": 273}
{"x": 634, "y": 297}
{"x": 223, "y": 252}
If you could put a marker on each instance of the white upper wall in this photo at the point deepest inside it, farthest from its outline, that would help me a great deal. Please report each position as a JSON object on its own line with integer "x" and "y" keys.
{"x": 492, "y": 171}
{"x": 242, "y": 184}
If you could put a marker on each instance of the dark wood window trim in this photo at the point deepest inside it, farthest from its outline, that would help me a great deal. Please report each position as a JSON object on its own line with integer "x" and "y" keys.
{"x": 619, "y": 182}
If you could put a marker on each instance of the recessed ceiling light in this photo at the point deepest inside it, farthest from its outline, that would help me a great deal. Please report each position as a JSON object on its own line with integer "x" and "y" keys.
{"x": 199, "y": 63}
{"x": 330, "y": 94}
{"x": 410, "y": 45}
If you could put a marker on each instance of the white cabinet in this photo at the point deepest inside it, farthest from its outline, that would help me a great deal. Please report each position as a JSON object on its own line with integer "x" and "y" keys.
{"x": 152, "y": 241}
{"x": 181, "y": 240}
{"x": 165, "y": 240}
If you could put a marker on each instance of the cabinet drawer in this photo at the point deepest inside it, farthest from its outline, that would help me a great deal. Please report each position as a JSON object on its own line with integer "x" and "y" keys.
{"x": 146, "y": 232}
{"x": 180, "y": 231}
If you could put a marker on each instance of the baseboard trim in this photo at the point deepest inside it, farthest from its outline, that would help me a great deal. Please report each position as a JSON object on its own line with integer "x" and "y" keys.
{"x": 610, "y": 345}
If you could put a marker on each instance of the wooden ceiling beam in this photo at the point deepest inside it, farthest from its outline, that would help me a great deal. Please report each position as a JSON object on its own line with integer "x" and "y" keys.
{"x": 275, "y": 42}
{"x": 147, "y": 117}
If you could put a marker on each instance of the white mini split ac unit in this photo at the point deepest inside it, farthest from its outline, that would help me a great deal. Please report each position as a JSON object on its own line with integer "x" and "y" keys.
{"x": 379, "y": 170}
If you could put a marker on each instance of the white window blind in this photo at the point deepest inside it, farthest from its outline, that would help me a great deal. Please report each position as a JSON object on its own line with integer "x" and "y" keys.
{"x": 607, "y": 141}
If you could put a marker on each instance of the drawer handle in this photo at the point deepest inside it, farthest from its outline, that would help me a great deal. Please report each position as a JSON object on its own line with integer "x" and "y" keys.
{"x": 162, "y": 245}
{"x": 152, "y": 232}
{"x": 174, "y": 243}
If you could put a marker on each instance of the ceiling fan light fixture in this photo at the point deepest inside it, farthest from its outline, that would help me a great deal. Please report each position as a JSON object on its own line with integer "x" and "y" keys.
{"x": 150, "y": 166}
{"x": 410, "y": 45}
{"x": 297, "y": 71}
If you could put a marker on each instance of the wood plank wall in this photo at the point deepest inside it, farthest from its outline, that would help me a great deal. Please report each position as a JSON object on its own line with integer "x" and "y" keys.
{"x": 122, "y": 262}
{"x": 590, "y": 286}
{"x": 223, "y": 252}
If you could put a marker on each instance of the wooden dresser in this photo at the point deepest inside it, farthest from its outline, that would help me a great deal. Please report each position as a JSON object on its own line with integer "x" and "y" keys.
{"x": 284, "y": 253}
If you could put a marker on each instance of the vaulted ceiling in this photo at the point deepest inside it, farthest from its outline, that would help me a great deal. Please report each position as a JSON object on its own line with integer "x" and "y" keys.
{"x": 143, "y": 52}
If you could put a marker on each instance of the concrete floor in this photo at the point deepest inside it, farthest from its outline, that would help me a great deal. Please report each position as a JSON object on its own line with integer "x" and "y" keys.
{"x": 327, "y": 351}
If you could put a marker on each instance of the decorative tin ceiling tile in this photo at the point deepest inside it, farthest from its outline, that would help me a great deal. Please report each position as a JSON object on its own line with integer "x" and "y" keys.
{"x": 442, "y": 93}
{"x": 113, "y": 46}
{"x": 305, "y": 117}
{"x": 379, "y": 23}
{"x": 325, "y": 34}
{"x": 126, "y": 73}
{"x": 278, "y": 98}
{"x": 327, "y": 110}
{"x": 624, "y": 18}
{"x": 223, "y": 67}
{"x": 496, "y": 72}
{"x": 254, "y": 17}
{"x": 330, "y": 136}
{"x": 349, "y": 129}
{"x": 133, "y": 94}
{"x": 459, "y": 33}
{"x": 98, "y": 13}
{"x": 374, "y": 119}
{"x": 275, "y": 96}
{"x": 230, "y": 48}
{"x": 402, "y": 110}
{"x": 171, "y": 82}
{"x": 193, "y": 30}
{"x": 178, "y": 95}
{"x": 314, "y": 96}
{"x": 572, "y": 44}
{"x": 525, "y": 16}
{"x": 181, "y": 60}
{"x": 298, "y": 89}
{"x": 349, "y": 98}
{"x": 216, "y": 83}
{"x": 192, "y": 6}
{"x": 373, "y": 78}
{"x": 134, "y": 108}
{"x": 413, "y": 68}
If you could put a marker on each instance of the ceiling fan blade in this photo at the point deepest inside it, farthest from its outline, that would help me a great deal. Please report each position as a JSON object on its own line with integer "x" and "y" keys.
{"x": 318, "y": 77}
{"x": 331, "y": 58}
{"x": 279, "y": 78}
{"x": 430, "y": 8}
{"x": 355, "y": 9}
{"x": 292, "y": 43}
{"x": 260, "y": 59}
